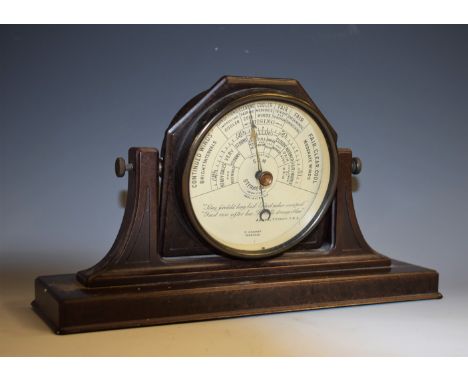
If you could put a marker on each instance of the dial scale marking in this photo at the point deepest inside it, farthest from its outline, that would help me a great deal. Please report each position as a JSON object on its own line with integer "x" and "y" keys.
{"x": 224, "y": 188}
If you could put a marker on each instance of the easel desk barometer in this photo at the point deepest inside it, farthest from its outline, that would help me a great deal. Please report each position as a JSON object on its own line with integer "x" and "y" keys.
{"x": 247, "y": 211}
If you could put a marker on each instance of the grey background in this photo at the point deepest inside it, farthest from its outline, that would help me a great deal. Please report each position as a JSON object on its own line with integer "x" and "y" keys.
{"x": 72, "y": 98}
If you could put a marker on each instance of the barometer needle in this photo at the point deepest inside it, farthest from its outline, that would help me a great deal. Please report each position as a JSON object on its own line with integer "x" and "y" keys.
{"x": 264, "y": 213}
{"x": 253, "y": 135}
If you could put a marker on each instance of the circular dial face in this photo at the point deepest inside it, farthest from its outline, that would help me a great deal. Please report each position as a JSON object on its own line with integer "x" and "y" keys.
{"x": 258, "y": 177}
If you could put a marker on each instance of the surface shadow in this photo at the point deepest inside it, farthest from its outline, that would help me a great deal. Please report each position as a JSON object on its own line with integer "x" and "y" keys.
{"x": 122, "y": 198}
{"x": 355, "y": 184}
{"x": 23, "y": 313}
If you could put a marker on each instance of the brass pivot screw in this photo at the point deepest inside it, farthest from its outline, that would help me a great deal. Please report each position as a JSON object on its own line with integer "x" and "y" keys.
{"x": 121, "y": 167}
{"x": 356, "y": 165}
{"x": 264, "y": 177}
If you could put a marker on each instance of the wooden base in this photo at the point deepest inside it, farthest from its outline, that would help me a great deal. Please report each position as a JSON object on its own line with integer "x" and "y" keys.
{"x": 69, "y": 307}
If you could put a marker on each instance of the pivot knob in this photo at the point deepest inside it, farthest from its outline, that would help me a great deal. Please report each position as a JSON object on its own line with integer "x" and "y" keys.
{"x": 356, "y": 165}
{"x": 121, "y": 167}
{"x": 264, "y": 177}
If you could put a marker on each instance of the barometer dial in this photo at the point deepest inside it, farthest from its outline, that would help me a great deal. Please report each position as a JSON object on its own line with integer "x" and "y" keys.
{"x": 258, "y": 178}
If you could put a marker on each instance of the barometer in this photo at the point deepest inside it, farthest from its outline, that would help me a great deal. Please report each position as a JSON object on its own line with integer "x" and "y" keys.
{"x": 247, "y": 210}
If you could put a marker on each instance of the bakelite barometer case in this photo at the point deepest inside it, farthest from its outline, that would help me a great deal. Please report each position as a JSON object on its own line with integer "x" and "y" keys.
{"x": 247, "y": 210}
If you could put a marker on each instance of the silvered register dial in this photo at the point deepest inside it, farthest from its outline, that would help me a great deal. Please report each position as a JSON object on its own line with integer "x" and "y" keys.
{"x": 258, "y": 177}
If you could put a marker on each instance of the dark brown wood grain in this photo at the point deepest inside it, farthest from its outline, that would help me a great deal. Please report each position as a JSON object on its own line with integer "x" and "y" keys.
{"x": 69, "y": 307}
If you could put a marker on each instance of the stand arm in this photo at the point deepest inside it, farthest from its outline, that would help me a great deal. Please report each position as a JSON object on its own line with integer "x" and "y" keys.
{"x": 136, "y": 243}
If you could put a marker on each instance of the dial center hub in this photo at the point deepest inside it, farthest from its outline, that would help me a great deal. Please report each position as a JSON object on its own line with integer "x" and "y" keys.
{"x": 264, "y": 177}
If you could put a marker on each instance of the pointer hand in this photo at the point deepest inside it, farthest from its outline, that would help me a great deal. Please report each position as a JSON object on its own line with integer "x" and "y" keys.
{"x": 264, "y": 213}
{"x": 253, "y": 136}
